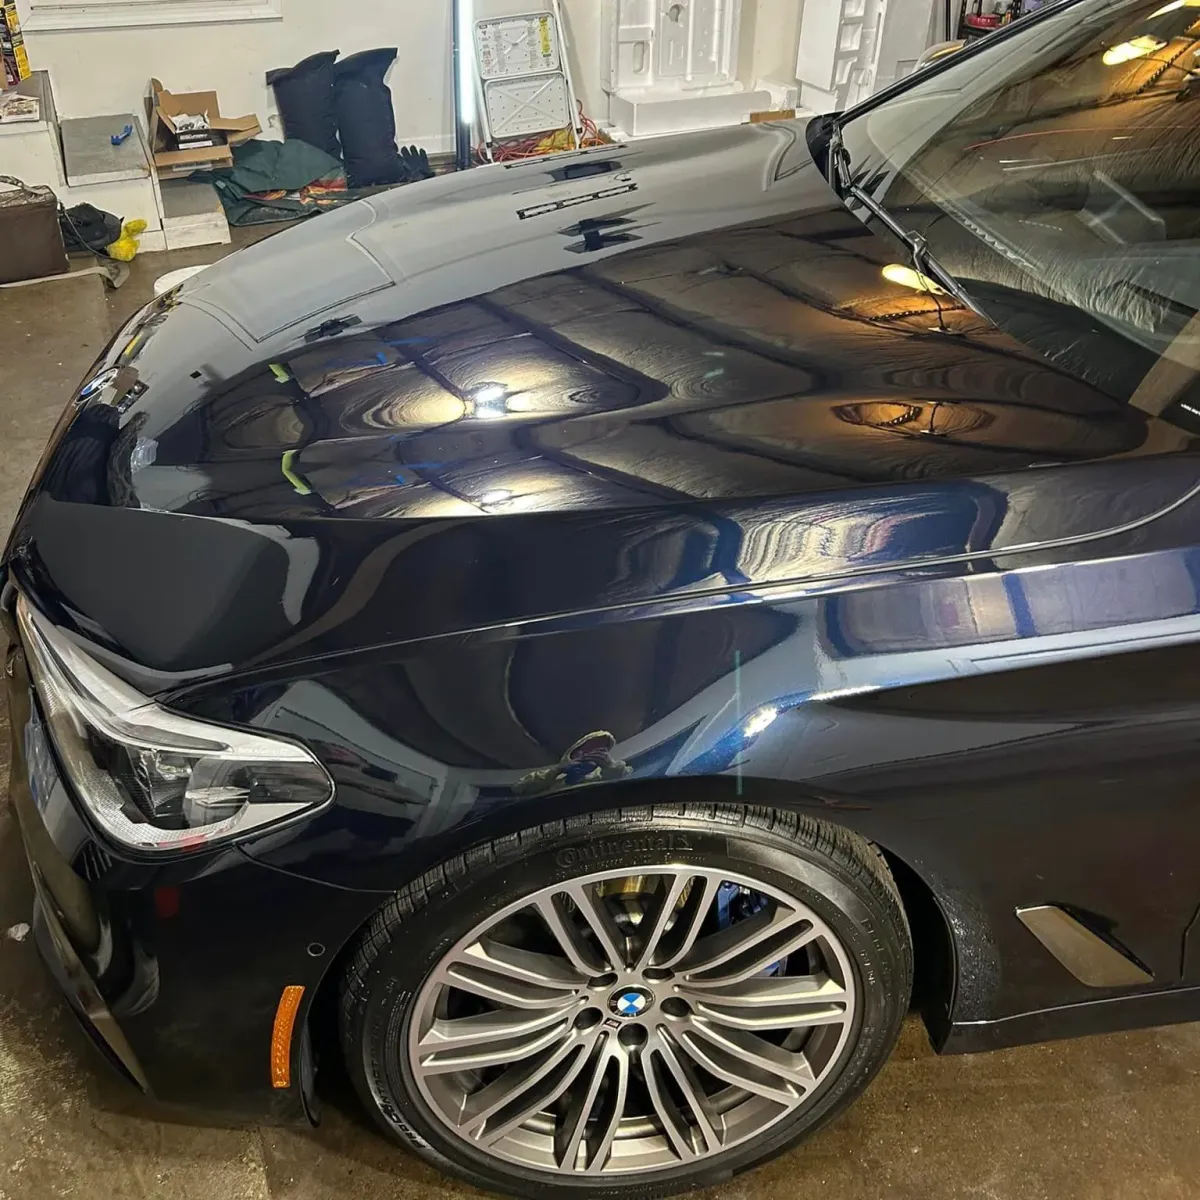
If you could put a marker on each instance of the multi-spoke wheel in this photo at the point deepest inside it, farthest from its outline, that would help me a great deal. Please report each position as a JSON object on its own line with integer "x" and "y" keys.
{"x": 549, "y": 1019}
{"x": 623, "y": 1022}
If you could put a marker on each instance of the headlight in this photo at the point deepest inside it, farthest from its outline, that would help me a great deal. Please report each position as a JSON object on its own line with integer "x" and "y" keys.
{"x": 153, "y": 779}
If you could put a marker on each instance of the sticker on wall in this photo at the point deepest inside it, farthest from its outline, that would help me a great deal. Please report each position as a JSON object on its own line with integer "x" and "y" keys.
{"x": 512, "y": 46}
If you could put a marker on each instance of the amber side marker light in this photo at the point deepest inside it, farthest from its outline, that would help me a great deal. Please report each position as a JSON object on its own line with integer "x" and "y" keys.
{"x": 281, "y": 1037}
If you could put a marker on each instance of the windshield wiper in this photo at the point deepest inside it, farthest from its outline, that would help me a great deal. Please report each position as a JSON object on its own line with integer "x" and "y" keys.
{"x": 838, "y": 173}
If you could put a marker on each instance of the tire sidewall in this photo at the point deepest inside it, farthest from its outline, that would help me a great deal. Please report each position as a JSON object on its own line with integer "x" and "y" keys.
{"x": 379, "y": 1025}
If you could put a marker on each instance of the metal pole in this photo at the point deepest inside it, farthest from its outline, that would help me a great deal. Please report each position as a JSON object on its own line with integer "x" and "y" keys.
{"x": 462, "y": 89}
{"x": 564, "y": 48}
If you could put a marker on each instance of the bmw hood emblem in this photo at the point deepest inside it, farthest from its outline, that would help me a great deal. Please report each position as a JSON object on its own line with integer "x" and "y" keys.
{"x": 97, "y": 384}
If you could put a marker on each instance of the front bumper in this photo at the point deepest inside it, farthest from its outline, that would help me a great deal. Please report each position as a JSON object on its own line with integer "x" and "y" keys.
{"x": 175, "y": 969}
{"x": 80, "y": 989}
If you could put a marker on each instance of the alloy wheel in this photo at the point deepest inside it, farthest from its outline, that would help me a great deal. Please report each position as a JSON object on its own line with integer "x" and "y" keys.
{"x": 620, "y": 1022}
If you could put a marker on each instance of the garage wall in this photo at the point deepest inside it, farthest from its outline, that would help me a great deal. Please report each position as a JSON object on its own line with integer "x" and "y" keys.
{"x": 771, "y": 41}
{"x": 107, "y": 70}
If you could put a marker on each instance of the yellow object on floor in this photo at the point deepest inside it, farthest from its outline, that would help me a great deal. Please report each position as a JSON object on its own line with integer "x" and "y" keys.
{"x": 126, "y": 246}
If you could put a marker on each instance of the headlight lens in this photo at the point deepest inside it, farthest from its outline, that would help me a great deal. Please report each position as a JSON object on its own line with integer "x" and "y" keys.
{"x": 153, "y": 779}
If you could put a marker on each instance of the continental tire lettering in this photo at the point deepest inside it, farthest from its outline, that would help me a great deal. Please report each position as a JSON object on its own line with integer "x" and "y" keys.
{"x": 403, "y": 1126}
{"x": 623, "y": 846}
{"x": 392, "y": 998}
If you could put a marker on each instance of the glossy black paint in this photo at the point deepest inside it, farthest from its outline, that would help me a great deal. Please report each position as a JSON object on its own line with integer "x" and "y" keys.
{"x": 186, "y": 955}
{"x": 447, "y": 481}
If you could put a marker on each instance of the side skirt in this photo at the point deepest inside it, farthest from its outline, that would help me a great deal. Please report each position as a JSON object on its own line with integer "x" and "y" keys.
{"x": 1110, "y": 1015}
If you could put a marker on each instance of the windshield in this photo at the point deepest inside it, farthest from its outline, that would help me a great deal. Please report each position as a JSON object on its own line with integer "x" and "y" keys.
{"x": 1056, "y": 176}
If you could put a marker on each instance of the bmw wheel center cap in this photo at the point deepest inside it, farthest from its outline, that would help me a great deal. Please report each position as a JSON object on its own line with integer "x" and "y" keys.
{"x": 630, "y": 1002}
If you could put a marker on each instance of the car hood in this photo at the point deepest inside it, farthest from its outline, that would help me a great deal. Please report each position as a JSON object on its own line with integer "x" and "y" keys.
{"x": 553, "y": 387}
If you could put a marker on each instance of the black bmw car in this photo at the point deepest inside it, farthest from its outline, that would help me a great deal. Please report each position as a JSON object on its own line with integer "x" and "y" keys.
{"x": 615, "y": 631}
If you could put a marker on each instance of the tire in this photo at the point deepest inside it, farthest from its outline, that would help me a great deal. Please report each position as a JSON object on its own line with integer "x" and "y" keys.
{"x": 802, "y": 874}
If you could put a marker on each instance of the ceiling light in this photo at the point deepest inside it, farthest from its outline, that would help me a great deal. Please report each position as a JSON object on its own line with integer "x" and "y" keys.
{"x": 1137, "y": 47}
{"x": 907, "y": 277}
{"x": 1174, "y": 6}
{"x": 759, "y": 720}
{"x": 489, "y": 401}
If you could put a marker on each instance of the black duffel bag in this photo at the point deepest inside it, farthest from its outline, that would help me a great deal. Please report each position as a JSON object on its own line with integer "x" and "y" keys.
{"x": 366, "y": 119}
{"x": 304, "y": 94}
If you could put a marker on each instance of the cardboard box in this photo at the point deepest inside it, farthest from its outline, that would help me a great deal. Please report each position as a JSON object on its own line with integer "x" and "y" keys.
{"x": 775, "y": 114}
{"x": 169, "y": 157}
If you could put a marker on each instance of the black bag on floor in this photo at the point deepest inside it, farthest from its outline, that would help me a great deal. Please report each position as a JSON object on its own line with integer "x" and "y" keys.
{"x": 366, "y": 119}
{"x": 304, "y": 94}
{"x": 85, "y": 227}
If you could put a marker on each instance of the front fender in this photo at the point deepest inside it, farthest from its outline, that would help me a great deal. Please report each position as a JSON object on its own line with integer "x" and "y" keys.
{"x": 972, "y": 725}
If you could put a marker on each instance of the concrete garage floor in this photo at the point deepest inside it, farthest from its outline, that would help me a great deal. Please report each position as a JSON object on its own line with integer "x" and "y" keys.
{"x": 1104, "y": 1117}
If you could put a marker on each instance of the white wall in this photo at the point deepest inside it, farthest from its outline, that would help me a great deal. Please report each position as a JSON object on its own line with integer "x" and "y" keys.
{"x": 770, "y": 29}
{"x": 107, "y": 70}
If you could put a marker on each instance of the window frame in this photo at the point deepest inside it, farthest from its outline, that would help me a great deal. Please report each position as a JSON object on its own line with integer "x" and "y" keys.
{"x": 56, "y": 16}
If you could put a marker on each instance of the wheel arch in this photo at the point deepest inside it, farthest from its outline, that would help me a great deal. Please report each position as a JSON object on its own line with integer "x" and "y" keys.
{"x": 934, "y": 947}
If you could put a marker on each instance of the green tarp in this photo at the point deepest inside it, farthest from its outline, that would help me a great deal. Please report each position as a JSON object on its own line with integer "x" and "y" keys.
{"x": 311, "y": 179}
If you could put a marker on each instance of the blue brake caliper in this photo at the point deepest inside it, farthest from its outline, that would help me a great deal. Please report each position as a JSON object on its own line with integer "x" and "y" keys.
{"x": 736, "y": 903}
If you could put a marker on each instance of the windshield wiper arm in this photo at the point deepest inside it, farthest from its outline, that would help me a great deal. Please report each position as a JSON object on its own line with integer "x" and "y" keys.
{"x": 840, "y": 179}
{"x": 837, "y": 160}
